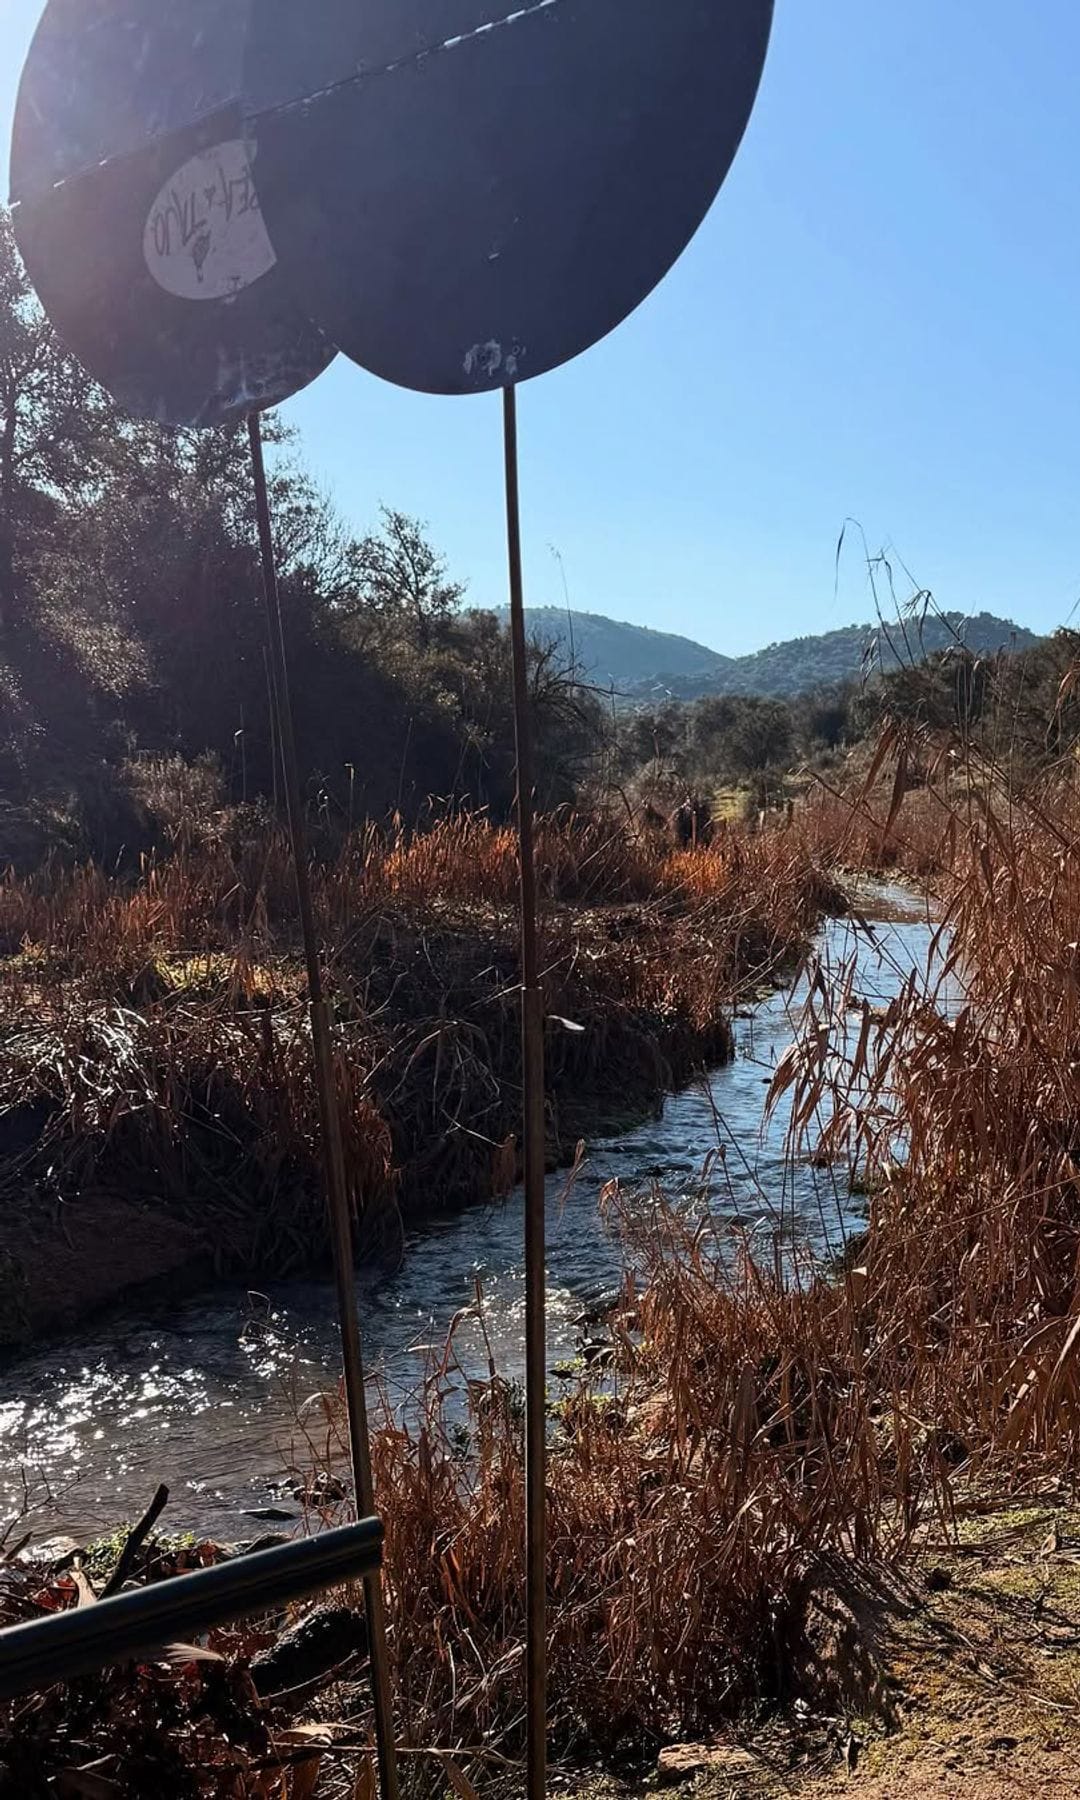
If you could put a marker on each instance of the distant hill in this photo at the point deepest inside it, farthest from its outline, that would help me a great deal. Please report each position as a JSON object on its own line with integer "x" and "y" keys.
{"x": 627, "y": 655}
{"x": 643, "y": 664}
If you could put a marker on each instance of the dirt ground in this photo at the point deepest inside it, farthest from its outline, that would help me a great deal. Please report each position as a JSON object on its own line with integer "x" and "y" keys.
{"x": 973, "y": 1664}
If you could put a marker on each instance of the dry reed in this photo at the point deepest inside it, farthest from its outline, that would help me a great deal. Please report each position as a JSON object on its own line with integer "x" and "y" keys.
{"x": 767, "y": 1421}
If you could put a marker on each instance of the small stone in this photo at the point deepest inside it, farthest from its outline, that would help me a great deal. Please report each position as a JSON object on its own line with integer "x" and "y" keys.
{"x": 269, "y": 1540}
{"x": 681, "y": 1762}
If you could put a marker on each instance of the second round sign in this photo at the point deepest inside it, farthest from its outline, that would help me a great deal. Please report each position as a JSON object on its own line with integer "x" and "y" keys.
{"x": 466, "y": 193}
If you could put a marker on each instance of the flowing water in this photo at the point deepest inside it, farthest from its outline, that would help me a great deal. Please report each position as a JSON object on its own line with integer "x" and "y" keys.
{"x": 205, "y": 1394}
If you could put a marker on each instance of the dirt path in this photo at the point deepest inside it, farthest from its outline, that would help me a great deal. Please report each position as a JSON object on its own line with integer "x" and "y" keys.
{"x": 976, "y": 1658}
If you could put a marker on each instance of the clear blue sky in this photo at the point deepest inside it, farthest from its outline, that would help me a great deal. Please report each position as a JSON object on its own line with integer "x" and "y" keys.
{"x": 880, "y": 319}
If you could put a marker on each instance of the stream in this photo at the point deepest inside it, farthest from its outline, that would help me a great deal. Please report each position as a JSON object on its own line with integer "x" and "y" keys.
{"x": 205, "y": 1393}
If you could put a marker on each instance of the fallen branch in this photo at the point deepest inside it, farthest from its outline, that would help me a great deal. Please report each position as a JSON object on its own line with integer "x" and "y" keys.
{"x": 136, "y": 1538}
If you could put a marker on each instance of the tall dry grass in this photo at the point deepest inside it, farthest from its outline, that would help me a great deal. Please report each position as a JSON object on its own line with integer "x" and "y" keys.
{"x": 769, "y": 1419}
{"x": 766, "y": 1420}
{"x": 961, "y": 1103}
{"x": 693, "y": 1502}
{"x": 220, "y": 895}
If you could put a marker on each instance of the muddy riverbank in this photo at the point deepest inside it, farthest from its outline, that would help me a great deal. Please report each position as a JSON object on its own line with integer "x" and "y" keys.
{"x": 215, "y": 1187}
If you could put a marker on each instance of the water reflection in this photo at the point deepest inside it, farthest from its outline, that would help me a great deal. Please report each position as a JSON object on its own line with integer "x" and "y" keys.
{"x": 205, "y": 1395}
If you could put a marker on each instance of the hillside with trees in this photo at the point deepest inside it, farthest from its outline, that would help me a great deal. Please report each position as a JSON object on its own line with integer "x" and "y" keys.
{"x": 630, "y": 658}
{"x": 644, "y": 665}
{"x": 1018, "y": 709}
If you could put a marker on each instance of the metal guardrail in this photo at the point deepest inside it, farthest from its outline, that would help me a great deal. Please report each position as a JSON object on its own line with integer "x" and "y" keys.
{"x": 89, "y": 1638}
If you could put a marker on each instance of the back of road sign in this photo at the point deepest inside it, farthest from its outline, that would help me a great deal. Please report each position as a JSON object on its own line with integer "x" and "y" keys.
{"x": 137, "y": 215}
{"x": 466, "y": 193}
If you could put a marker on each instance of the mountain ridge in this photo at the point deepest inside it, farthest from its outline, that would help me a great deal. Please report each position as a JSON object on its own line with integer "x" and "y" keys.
{"x": 645, "y": 664}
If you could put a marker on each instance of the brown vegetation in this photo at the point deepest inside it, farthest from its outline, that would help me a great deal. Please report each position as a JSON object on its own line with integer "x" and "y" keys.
{"x": 155, "y": 1051}
{"x": 769, "y": 1423}
{"x": 769, "y": 1427}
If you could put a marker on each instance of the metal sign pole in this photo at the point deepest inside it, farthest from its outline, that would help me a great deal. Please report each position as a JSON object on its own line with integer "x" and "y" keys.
{"x": 532, "y": 1062}
{"x": 330, "y": 1121}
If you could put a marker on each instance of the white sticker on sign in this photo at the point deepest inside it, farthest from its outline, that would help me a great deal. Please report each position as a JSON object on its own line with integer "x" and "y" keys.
{"x": 205, "y": 238}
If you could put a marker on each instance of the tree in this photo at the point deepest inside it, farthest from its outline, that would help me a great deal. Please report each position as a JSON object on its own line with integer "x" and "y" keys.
{"x": 56, "y": 429}
{"x": 823, "y": 717}
{"x": 132, "y": 631}
{"x": 399, "y": 585}
{"x": 738, "y": 736}
{"x": 656, "y": 736}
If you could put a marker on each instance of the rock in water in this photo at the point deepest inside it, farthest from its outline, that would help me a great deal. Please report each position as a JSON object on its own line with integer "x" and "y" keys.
{"x": 310, "y": 1649}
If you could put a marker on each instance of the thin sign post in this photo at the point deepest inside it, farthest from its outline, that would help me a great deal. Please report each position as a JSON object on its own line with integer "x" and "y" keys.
{"x": 337, "y": 1188}
{"x": 467, "y": 194}
{"x": 138, "y": 217}
{"x": 532, "y": 1064}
